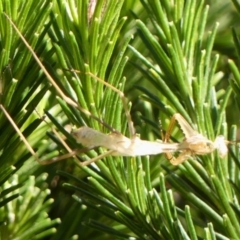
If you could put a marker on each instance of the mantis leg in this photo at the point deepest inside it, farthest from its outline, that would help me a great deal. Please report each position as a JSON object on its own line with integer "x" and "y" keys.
{"x": 187, "y": 130}
{"x": 71, "y": 153}
{"x": 67, "y": 99}
{"x": 124, "y": 101}
{"x": 180, "y": 158}
{"x": 85, "y": 163}
{"x": 131, "y": 128}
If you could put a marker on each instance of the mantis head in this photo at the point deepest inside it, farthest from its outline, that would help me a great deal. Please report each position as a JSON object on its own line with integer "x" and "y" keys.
{"x": 200, "y": 145}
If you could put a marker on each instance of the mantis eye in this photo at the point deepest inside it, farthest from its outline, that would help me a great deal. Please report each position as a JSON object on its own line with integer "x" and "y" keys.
{"x": 210, "y": 146}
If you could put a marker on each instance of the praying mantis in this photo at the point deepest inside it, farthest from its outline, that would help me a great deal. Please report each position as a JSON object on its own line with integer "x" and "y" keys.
{"x": 120, "y": 145}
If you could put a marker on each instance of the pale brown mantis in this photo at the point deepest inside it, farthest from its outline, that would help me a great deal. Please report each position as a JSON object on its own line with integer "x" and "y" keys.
{"x": 194, "y": 143}
{"x": 118, "y": 144}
